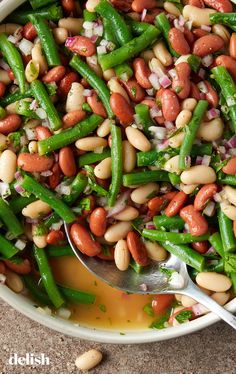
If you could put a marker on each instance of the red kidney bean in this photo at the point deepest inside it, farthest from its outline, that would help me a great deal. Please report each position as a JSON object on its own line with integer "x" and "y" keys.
{"x": 230, "y": 167}
{"x": 189, "y": 36}
{"x": 197, "y": 3}
{"x": 232, "y": 45}
{"x": 121, "y": 108}
{"x": 97, "y": 221}
{"x": 207, "y": 45}
{"x": 29, "y": 31}
{"x": 151, "y": 103}
{"x": 139, "y": 5}
{"x": 10, "y": 123}
{"x": 108, "y": 256}
{"x": 2, "y": 89}
{"x": 123, "y": 5}
{"x": 55, "y": 178}
{"x": 67, "y": 162}
{"x": 137, "y": 248}
{"x": 196, "y": 222}
{"x": 54, "y": 75}
{"x": 83, "y": 240}
{"x": 42, "y": 132}
{"x": 194, "y": 91}
{"x": 81, "y": 45}
{"x": 204, "y": 194}
{"x": 142, "y": 73}
{"x": 234, "y": 228}
{"x": 158, "y": 203}
{"x": 181, "y": 83}
{"x": 229, "y": 63}
{"x": 23, "y": 267}
{"x": 65, "y": 84}
{"x": 72, "y": 118}
{"x": 223, "y": 6}
{"x": 96, "y": 105}
{"x": 178, "y": 41}
{"x": 201, "y": 247}
{"x": 161, "y": 302}
{"x": 199, "y": 33}
{"x": 151, "y": 15}
{"x": 170, "y": 105}
{"x": 55, "y": 237}
{"x": 176, "y": 204}
{"x": 134, "y": 90}
{"x": 33, "y": 163}
{"x": 2, "y": 268}
{"x": 211, "y": 95}
{"x": 69, "y": 6}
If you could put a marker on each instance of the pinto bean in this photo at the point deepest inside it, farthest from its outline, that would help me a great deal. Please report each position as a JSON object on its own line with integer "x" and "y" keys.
{"x": 137, "y": 248}
{"x": 10, "y": 123}
{"x": 96, "y": 105}
{"x": 81, "y": 45}
{"x": 54, "y": 75}
{"x": 178, "y": 41}
{"x": 181, "y": 83}
{"x": 142, "y": 73}
{"x": 208, "y": 44}
{"x": 230, "y": 167}
{"x": 139, "y": 5}
{"x": 97, "y": 221}
{"x": 223, "y": 6}
{"x": 134, "y": 90}
{"x": 84, "y": 241}
{"x": 72, "y": 118}
{"x": 121, "y": 108}
{"x": 204, "y": 194}
{"x": 176, "y": 204}
{"x": 33, "y": 163}
{"x": 232, "y": 45}
{"x": 211, "y": 95}
{"x": 229, "y": 63}
{"x": 67, "y": 162}
{"x": 170, "y": 105}
{"x": 66, "y": 83}
{"x": 196, "y": 222}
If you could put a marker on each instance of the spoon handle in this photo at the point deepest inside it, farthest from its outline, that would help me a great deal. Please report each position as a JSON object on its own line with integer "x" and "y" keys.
{"x": 193, "y": 291}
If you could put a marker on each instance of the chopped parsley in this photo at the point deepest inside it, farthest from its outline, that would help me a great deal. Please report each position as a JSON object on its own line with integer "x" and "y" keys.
{"x": 168, "y": 272}
{"x": 184, "y": 316}
{"x": 159, "y": 323}
{"x": 148, "y": 310}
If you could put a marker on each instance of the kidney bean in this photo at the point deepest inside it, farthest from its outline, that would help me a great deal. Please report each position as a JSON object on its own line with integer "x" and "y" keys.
{"x": 196, "y": 3}
{"x": 2, "y": 89}
{"x": 139, "y": 5}
{"x": 96, "y": 105}
{"x": 181, "y": 83}
{"x": 201, "y": 247}
{"x": 134, "y": 90}
{"x": 23, "y": 267}
{"x": 223, "y": 6}
{"x": 194, "y": 91}
{"x": 123, "y": 5}
{"x": 65, "y": 84}
{"x": 232, "y": 45}
{"x": 158, "y": 203}
{"x": 229, "y": 63}
{"x": 170, "y": 105}
{"x": 204, "y": 194}
{"x": 33, "y": 163}
{"x": 196, "y": 222}
{"x": 151, "y": 15}
{"x": 211, "y": 95}
{"x": 10, "y": 123}
{"x": 207, "y": 45}
{"x": 142, "y": 73}
{"x": 55, "y": 178}
{"x": 189, "y": 36}
{"x": 97, "y": 221}
{"x": 69, "y": 6}
{"x": 67, "y": 162}
{"x": 55, "y": 237}
{"x": 2, "y": 268}
{"x": 230, "y": 167}
{"x": 137, "y": 248}
{"x": 234, "y": 228}
{"x": 176, "y": 204}
{"x": 42, "y": 132}
{"x": 72, "y": 118}
{"x": 29, "y": 31}
{"x": 199, "y": 33}
{"x": 121, "y": 108}
{"x": 84, "y": 241}
{"x": 11, "y": 75}
{"x": 81, "y": 45}
{"x": 178, "y": 41}
{"x": 54, "y": 75}
{"x": 84, "y": 83}
{"x": 161, "y": 302}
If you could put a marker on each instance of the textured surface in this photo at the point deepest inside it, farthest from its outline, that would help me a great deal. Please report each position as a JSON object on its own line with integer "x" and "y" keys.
{"x": 210, "y": 351}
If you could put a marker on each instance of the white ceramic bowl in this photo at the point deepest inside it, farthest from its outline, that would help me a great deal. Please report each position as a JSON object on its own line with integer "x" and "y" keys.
{"x": 26, "y": 306}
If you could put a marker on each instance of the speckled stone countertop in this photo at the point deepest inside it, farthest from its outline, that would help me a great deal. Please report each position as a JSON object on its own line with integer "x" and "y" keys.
{"x": 210, "y": 351}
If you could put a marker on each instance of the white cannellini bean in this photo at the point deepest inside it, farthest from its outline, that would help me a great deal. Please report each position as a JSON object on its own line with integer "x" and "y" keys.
{"x": 187, "y": 301}
{"x": 122, "y": 255}
{"x": 211, "y": 131}
{"x": 103, "y": 169}
{"x": 162, "y": 53}
{"x": 142, "y": 194}
{"x": 147, "y": 55}
{"x": 128, "y": 214}
{"x": 75, "y": 98}
{"x": 183, "y": 118}
{"x": 199, "y": 174}
{"x": 156, "y": 66}
{"x": 171, "y": 8}
{"x": 39, "y": 58}
{"x": 90, "y": 143}
{"x": 221, "y": 31}
{"x": 198, "y": 16}
{"x": 40, "y": 240}
{"x": 60, "y": 34}
{"x": 189, "y": 104}
{"x": 155, "y": 251}
{"x": 32, "y": 71}
{"x": 172, "y": 165}
{"x": 88, "y": 360}
{"x": 108, "y": 74}
{"x": 36, "y": 209}
{"x": 72, "y": 25}
{"x": 91, "y": 5}
{"x": 176, "y": 140}
{"x": 188, "y": 188}
{"x": 8, "y": 163}
{"x": 105, "y": 128}
{"x": 33, "y": 147}
{"x": 129, "y": 156}
{"x": 230, "y": 194}
{"x": 14, "y": 281}
{"x": 221, "y": 297}
{"x": 229, "y": 210}
{"x": 137, "y": 139}
{"x": 115, "y": 86}
{"x": 117, "y": 231}
{"x": 214, "y": 281}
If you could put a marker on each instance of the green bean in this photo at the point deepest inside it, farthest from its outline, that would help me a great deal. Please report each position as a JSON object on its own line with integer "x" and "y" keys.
{"x": 190, "y": 132}
{"x": 47, "y": 277}
{"x": 233, "y": 279}
{"x": 186, "y": 254}
{"x": 169, "y": 222}
{"x": 89, "y": 16}
{"x": 70, "y": 135}
{"x": 144, "y": 118}
{"x": 135, "y": 266}
{"x": 13, "y": 97}
{"x": 53, "y": 13}
{"x": 91, "y": 157}
{"x": 7, "y": 249}
{"x": 38, "y": 294}
{"x": 77, "y": 187}
{"x": 227, "y": 19}
{"x": 164, "y": 25}
{"x": 41, "y": 3}
{"x": 40, "y": 94}
{"x": 174, "y": 237}
{"x": 23, "y": 109}
{"x": 77, "y": 296}
{"x": 216, "y": 242}
{"x": 144, "y": 177}
{"x": 109, "y": 33}
{"x": 19, "y": 202}
{"x": 55, "y": 251}
{"x": 228, "y": 90}
{"x": 14, "y": 59}
{"x": 117, "y": 164}
{"x": 174, "y": 179}
{"x": 46, "y": 37}
{"x": 131, "y": 49}
{"x": 217, "y": 267}
{"x": 54, "y": 218}
{"x": 226, "y": 232}
{"x": 201, "y": 150}
{"x": 194, "y": 63}
{"x": 124, "y": 71}
{"x": 117, "y": 22}
{"x": 137, "y": 27}
{"x": 10, "y": 220}
{"x": 227, "y": 179}
{"x": 42, "y": 193}
{"x": 147, "y": 158}
{"x": 96, "y": 82}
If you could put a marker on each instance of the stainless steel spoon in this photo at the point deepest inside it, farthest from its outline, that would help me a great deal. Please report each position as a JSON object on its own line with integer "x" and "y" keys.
{"x": 154, "y": 280}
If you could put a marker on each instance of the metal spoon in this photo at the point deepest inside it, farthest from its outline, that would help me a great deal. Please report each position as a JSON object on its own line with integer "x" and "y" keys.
{"x": 155, "y": 281}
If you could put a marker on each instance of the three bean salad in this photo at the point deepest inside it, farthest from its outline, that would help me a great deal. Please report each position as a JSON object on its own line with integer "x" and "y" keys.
{"x": 119, "y": 118}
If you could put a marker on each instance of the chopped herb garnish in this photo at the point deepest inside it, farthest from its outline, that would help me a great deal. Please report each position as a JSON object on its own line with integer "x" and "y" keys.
{"x": 167, "y": 272}
{"x": 159, "y": 323}
{"x": 184, "y": 316}
{"x": 148, "y": 310}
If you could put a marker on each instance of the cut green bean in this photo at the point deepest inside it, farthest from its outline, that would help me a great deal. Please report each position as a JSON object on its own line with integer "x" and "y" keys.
{"x": 109, "y": 33}
{"x": 216, "y": 242}
{"x": 191, "y": 132}
{"x": 163, "y": 24}
{"x": 7, "y": 249}
{"x": 23, "y": 109}
{"x": 131, "y": 49}
{"x": 144, "y": 118}
{"x": 16, "y": 96}
{"x": 42, "y": 193}
{"x": 226, "y": 232}
{"x": 91, "y": 157}
{"x": 89, "y": 16}
{"x": 70, "y": 135}
{"x": 13, "y": 57}
{"x": 10, "y": 220}
{"x": 137, "y": 28}
{"x": 76, "y": 296}
{"x": 117, "y": 164}
{"x": 38, "y": 294}
{"x": 169, "y": 222}
{"x": 144, "y": 177}
{"x": 19, "y": 202}
{"x": 174, "y": 179}
{"x": 55, "y": 251}
{"x": 77, "y": 187}
{"x": 124, "y": 71}
{"x": 227, "y": 19}
{"x": 174, "y": 237}
{"x": 227, "y": 179}
{"x": 41, "y": 3}
{"x": 96, "y": 82}
{"x": 47, "y": 277}
{"x": 186, "y": 254}
{"x": 52, "y": 13}
{"x": 54, "y": 218}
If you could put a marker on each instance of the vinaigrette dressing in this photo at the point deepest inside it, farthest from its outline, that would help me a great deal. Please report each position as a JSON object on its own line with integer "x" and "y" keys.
{"x": 113, "y": 309}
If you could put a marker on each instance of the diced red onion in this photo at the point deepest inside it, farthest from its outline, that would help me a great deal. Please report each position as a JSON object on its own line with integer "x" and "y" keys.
{"x": 88, "y": 33}
{"x": 26, "y": 46}
{"x": 124, "y": 77}
{"x": 32, "y": 221}
{"x": 206, "y": 28}
{"x": 189, "y": 25}
{"x": 87, "y": 25}
{"x": 211, "y": 250}
{"x": 154, "y": 111}
{"x": 153, "y": 79}
{"x": 94, "y": 38}
{"x": 120, "y": 204}
{"x": 93, "y": 60}
{"x": 213, "y": 113}
{"x": 199, "y": 309}
{"x": 111, "y": 46}
{"x": 198, "y": 160}
{"x": 232, "y": 152}
{"x": 20, "y": 244}
{"x": 188, "y": 161}
{"x": 218, "y": 197}
{"x": 202, "y": 87}
{"x": 202, "y": 73}
{"x": 177, "y": 25}
{"x": 61, "y": 189}
{"x": 207, "y": 60}
{"x": 202, "y": 96}
{"x": 70, "y": 41}
{"x": 159, "y": 132}
{"x": 163, "y": 145}
{"x": 57, "y": 225}
{"x": 165, "y": 81}
{"x": 206, "y": 160}
{"x": 34, "y": 105}
{"x": 98, "y": 30}
{"x": 222, "y": 150}
{"x": 101, "y": 50}
{"x": 46, "y": 173}
{"x": 143, "y": 287}
{"x": 4, "y": 65}
{"x": 18, "y": 188}
{"x": 209, "y": 209}
{"x": 150, "y": 226}
{"x": 169, "y": 125}
{"x": 181, "y": 20}
{"x": 232, "y": 142}
{"x": 144, "y": 13}
{"x": 12, "y": 39}
{"x": 87, "y": 93}
{"x": 230, "y": 101}
{"x": 18, "y": 175}
{"x": 150, "y": 92}
{"x": 104, "y": 42}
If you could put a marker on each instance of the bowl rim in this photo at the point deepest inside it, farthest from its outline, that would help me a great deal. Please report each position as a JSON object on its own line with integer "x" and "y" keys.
{"x": 26, "y": 306}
